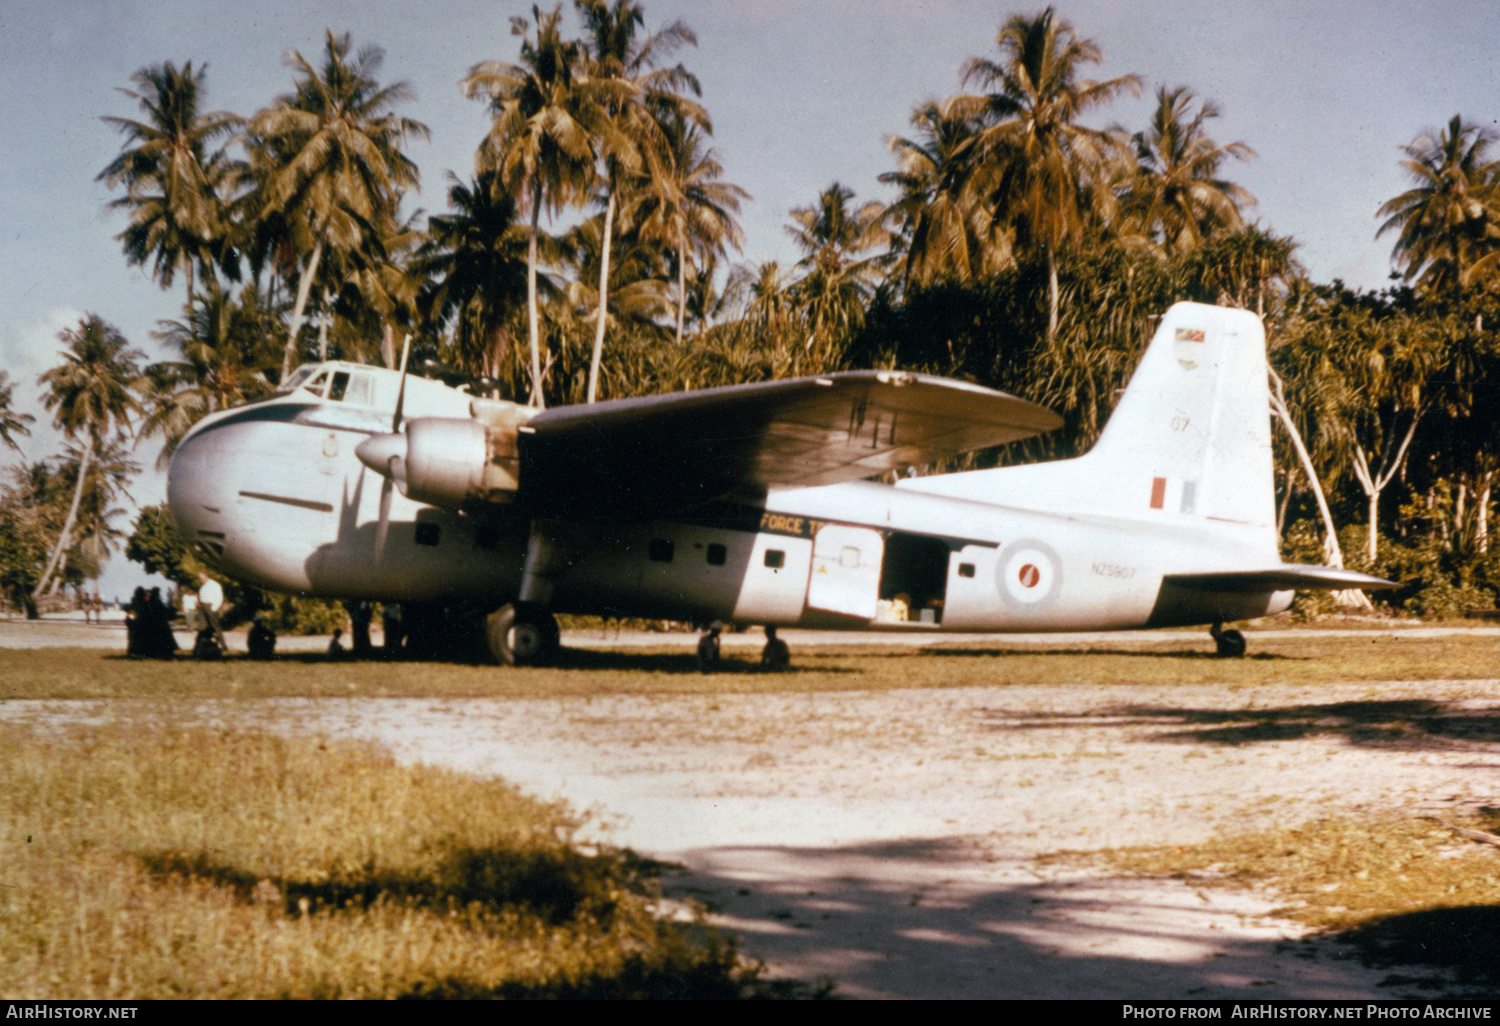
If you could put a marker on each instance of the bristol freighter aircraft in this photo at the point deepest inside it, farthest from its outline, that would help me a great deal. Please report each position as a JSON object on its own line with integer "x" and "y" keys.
{"x": 749, "y": 504}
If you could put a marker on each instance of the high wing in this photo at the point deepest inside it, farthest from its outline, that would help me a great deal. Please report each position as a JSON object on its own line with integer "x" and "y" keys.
{"x": 658, "y": 455}
{"x": 1287, "y": 577}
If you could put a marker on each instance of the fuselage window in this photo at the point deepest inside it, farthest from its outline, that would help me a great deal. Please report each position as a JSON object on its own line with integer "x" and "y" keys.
{"x": 966, "y": 569}
{"x": 428, "y": 534}
{"x": 661, "y": 550}
{"x": 775, "y": 559}
{"x": 717, "y": 554}
{"x": 339, "y": 386}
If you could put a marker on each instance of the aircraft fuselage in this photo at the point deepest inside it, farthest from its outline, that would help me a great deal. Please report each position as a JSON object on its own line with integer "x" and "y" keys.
{"x": 272, "y": 494}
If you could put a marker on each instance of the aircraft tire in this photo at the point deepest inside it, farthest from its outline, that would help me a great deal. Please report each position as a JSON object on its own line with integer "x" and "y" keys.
{"x": 1231, "y": 645}
{"x": 522, "y": 635}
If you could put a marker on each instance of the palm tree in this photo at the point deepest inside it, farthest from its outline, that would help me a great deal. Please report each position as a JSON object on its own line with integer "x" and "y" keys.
{"x": 1041, "y": 169}
{"x": 11, "y": 423}
{"x": 948, "y": 231}
{"x": 838, "y": 277}
{"x": 1176, "y": 196}
{"x": 638, "y": 290}
{"x": 378, "y": 291}
{"x": 540, "y": 142}
{"x": 634, "y": 97}
{"x": 89, "y": 392}
{"x": 475, "y": 263}
{"x": 225, "y": 352}
{"x": 330, "y": 156}
{"x": 1238, "y": 268}
{"x": 685, "y": 205}
{"x": 109, "y": 473}
{"x": 173, "y": 184}
{"x": 1452, "y": 217}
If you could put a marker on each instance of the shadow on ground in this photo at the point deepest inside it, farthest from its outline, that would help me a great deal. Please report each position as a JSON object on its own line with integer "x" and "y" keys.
{"x": 1407, "y": 724}
{"x": 1131, "y": 653}
{"x": 567, "y": 659}
{"x": 877, "y": 919}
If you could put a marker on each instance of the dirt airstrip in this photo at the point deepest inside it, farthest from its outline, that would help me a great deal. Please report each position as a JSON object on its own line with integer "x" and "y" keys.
{"x": 889, "y": 840}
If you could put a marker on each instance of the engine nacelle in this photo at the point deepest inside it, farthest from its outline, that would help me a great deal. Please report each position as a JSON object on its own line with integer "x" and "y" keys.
{"x": 452, "y": 463}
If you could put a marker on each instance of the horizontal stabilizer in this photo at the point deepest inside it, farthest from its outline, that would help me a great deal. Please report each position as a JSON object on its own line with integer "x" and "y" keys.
{"x": 1287, "y": 577}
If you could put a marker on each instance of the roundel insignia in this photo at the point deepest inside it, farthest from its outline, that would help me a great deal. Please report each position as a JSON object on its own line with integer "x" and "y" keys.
{"x": 1030, "y": 575}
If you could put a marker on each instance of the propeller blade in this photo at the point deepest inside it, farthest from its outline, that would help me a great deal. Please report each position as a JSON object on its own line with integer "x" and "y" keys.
{"x": 383, "y": 525}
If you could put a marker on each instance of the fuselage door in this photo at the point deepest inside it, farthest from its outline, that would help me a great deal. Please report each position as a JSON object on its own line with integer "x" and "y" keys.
{"x": 846, "y": 570}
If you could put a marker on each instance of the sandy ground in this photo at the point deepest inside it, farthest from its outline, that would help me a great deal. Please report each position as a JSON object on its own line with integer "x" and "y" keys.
{"x": 889, "y": 841}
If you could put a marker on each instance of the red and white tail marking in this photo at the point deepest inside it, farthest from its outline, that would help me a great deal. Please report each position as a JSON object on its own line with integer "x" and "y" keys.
{"x": 1174, "y": 494}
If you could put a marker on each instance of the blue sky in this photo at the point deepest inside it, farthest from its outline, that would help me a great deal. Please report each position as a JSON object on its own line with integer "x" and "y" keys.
{"x": 802, "y": 93}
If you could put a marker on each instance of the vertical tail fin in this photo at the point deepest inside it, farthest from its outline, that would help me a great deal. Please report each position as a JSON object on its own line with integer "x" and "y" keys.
{"x": 1190, "y": 438}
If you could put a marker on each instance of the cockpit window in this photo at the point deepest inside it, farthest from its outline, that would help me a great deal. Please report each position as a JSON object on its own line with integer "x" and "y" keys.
{"x": 296, "y": 381}
{"x": 360, "y": 390}
{"x": 338, "y": 386}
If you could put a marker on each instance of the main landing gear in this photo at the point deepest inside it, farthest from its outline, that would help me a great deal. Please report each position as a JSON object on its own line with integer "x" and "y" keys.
{"x": 522, "y": 634}
{"x": 1231, "y": 644}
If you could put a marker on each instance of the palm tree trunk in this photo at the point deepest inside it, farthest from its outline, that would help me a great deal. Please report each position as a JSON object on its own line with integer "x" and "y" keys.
{"x": 323, "y": 330}
{"x": 536, "y": 358}
{"x": 304, "y": 286}
{"x": 1052, "y": 298}
{"x": 55, "y": 560}
{"x": 681, "y": 288}
{"x": 1333, "y": 555}
{"x": 598, "y": 355}
{"x": 387, "y": 345}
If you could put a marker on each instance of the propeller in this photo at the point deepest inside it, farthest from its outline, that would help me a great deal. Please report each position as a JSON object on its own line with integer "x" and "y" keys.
{"x": 385, "y": 460}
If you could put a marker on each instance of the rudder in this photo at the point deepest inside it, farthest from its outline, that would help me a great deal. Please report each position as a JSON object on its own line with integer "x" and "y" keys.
{"x": 1190, "y": 437}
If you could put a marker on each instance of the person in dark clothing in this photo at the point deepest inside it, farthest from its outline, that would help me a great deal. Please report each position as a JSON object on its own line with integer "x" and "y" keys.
{"x": 390, "y": 622}
{"x": 360, "y": 614}
{"x": 134, "y": 619}
{"x": 157, "y": 639}
{"x": 261, "y": 640}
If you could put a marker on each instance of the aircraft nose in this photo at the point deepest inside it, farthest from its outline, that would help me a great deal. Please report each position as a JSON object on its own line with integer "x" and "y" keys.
{"x": 199, "y": 495}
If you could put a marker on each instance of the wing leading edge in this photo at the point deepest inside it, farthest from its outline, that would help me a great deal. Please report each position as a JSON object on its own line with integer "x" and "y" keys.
{"x": 664, "y": 454}
{"x": 1287, "y": 577}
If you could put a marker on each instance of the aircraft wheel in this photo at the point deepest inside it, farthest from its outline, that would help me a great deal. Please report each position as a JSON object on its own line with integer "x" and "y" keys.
{"x": 1231, "y": 644}
{"x": 522, "y": 635}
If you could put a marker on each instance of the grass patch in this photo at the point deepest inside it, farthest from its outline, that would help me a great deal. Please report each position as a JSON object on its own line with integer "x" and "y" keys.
{"x": 1403, "y": 891}
{"x": 60, "y": 673}
{"x": 145, "y": 863}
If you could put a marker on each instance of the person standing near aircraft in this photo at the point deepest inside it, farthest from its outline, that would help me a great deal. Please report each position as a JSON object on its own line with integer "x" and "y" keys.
{"x": 210, "y": 601}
